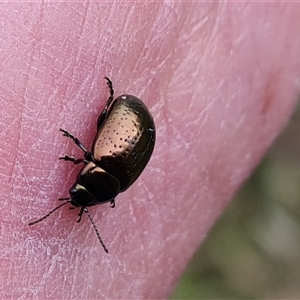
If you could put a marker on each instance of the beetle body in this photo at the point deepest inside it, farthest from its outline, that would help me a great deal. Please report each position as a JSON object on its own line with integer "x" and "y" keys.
{"x": 121, "y": 150}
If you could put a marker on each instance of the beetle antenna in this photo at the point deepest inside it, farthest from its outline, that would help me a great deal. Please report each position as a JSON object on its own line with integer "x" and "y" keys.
{"x": 49, "y": 213}
{"x": 96, "y": 229}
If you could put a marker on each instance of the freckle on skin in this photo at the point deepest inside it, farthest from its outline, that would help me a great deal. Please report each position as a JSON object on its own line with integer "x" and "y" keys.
{"x": 269, "y": 94}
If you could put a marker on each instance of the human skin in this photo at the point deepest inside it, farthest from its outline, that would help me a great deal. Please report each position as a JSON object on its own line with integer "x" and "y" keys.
{"x": 221, "y": 81}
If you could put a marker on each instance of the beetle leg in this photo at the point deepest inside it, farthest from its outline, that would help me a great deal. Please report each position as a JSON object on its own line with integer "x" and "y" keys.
{"x": 112, "y": 203}
{"x": 75, "y": 140}
{"x": 110, "y": 86}
{"x": 80, "y": 214}
{"x": 102, "y": 116}
{"x": 73, "y": 160}
{"x": 62, "y": 199}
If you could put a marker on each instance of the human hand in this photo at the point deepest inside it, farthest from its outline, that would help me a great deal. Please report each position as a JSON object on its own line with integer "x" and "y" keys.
{"x": 220, "y": 80}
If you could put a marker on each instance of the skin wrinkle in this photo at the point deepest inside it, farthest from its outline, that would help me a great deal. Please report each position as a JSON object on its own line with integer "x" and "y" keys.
{"x": 14, "y": 183}
{"x": 84, "y": 18}
{"x": 208, "y": 45}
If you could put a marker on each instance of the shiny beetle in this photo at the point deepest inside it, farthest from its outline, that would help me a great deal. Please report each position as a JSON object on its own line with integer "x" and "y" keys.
{"x": 121, "y": 150}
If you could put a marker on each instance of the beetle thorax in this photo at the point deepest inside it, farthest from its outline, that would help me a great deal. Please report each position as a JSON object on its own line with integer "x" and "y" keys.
{"x": 94, "y": 186}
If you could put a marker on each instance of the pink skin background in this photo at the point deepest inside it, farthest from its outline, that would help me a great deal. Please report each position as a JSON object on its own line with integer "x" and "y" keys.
{"x": 221, "y": 81}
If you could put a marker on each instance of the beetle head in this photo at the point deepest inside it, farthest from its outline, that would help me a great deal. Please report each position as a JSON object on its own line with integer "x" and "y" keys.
{"x": 80, "y": 196}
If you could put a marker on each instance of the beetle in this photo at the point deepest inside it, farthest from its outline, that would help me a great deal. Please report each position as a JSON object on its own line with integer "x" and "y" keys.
{"x": 120, "y": 151}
